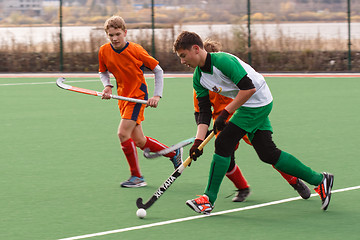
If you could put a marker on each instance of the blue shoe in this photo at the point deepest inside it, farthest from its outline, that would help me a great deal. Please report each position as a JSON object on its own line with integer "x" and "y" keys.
{"x": 177, "y": 159}
{"x": 134, "y": 182}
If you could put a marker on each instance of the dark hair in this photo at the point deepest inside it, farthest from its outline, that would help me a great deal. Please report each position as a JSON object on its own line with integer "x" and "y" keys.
{"x": 186, "y": 40}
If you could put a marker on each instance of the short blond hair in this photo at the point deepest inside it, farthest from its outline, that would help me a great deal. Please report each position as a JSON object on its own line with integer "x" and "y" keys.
{"x": 212, "y": 45}
{"x": 114, "y": 22}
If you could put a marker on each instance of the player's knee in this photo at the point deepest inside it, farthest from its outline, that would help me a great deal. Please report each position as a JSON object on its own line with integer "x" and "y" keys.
{"x": 140, "y": 143}
{"x": 120, "y": 135}
{"x": 265, "y": 147}
{"x": 270, "y": 157}
{"x": 123, "y": 137}
{"x": 227, "y": 140}
{"x": 222, "y": 148}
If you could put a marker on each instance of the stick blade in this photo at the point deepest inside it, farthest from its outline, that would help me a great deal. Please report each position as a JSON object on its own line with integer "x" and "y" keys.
{"x": 60, "y": 83}
{"x": 139, "y": 203}
{"x": 149, "y": 203}
{"x": 147, "y": 154}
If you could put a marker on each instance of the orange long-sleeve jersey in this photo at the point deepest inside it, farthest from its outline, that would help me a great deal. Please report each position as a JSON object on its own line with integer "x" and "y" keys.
{"x": 218, "y": 103}
{"x": 127, "y": 65}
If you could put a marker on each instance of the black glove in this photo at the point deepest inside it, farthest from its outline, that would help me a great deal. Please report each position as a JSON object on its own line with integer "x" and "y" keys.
{"x": 220, "y": 121}
{"x": 194, "y": 150}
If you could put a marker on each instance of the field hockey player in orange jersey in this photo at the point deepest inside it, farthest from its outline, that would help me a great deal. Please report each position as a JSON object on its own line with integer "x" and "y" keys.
{"x": 126, "y": 61}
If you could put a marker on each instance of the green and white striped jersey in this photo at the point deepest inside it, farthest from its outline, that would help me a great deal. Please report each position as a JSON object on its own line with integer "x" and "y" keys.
{"x": 226, "y": 72}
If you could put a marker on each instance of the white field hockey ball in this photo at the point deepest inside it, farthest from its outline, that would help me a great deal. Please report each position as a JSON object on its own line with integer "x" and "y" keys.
{"x": 141, "y": 213}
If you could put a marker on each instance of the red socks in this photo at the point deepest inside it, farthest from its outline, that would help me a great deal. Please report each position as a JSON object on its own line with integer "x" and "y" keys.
{"x": 237, "y": 178}
{"x": 130, "y": 152}
{"x": 156, "y": 146}
{"x": 290, "y": 179}
{"x": 240, "y": 182}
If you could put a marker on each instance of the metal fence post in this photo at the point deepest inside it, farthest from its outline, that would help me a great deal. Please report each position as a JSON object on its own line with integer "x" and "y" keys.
{"x": 153, "y": 29}
{"x": 249, "y": 31}
{"x": 60, "y": 38}
{"x": 349, "y": 35}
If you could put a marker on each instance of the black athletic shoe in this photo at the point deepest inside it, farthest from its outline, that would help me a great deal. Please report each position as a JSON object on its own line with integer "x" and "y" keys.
{"x": 241, "y": 195}
{"x": 324, "y": 189}
{"x": 302, "y": 189}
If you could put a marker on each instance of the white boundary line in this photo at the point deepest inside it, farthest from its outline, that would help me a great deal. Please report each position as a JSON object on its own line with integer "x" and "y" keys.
{"x": 79, "y": 75}
{"x": 54, "y": 82}
{"x": 40, "y": 83}
{"x": 199, "y": 216}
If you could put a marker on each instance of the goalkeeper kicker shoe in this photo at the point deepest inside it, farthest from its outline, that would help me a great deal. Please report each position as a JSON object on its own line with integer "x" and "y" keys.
{"x": 200, "y": 204}
{"x": 302, "y": 189}
{"x": 177, "y": 159}
{"x": 241, "y": 195}
{"x": 134, "y": 182}
{"x": 324, "y": 189}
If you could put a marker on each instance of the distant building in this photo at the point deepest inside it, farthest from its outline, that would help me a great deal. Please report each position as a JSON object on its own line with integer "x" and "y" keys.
{"x": 29, "y": 7}
{"x": 51, "y": 3}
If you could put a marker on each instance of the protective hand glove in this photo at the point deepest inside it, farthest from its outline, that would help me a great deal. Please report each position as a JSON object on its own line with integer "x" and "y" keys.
{"x": 220, "y": 121}
{"x": 194, "y": 151}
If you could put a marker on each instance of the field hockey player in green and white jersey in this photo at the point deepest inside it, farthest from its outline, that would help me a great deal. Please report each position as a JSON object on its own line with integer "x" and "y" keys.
{"x": 252, "y": 103}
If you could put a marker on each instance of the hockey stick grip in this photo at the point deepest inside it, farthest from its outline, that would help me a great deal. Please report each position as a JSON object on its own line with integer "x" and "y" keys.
{"x": 202, "y": 145}
{"x": 128, "y": 99}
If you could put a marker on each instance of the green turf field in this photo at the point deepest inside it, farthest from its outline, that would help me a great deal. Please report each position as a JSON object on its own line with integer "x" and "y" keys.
{"x": 61, "y": 165}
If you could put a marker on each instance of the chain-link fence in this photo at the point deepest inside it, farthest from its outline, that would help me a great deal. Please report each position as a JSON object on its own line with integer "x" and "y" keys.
{"x": 272, "y": 35}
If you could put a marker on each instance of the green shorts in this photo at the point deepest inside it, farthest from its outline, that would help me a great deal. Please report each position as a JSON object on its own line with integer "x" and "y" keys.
{"x": 253, "y": 119}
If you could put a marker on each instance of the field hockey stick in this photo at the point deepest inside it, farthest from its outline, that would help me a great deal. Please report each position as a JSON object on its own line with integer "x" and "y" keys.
{"x": 171, "y": 179}
{"x": 165, "y": 151}
{"x": 60, "y": 83}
